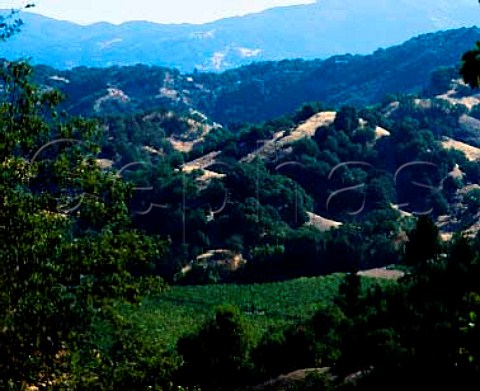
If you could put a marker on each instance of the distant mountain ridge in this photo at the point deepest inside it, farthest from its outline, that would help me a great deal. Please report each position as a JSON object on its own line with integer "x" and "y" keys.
{"x": 318, "y": 30}
{"x": 264, "y": 90}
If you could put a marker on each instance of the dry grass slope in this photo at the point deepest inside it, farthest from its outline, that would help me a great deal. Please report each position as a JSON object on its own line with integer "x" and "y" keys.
{"x": 472, "y": 153}
{"x": 322, "y": 223}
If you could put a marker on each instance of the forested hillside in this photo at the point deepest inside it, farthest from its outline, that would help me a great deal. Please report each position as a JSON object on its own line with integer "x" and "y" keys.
{"x": 265, "y": 90}
{"x": 256, "y": 193}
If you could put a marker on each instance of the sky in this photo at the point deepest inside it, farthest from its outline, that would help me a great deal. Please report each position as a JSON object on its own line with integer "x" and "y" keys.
{"x": 161, "y": 11}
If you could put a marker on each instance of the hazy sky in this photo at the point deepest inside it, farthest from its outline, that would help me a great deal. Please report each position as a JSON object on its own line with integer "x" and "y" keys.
{"x": 162, "y": 11}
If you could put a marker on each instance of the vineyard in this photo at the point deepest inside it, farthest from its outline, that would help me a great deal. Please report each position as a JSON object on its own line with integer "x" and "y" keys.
{"x": 182, "y": 309}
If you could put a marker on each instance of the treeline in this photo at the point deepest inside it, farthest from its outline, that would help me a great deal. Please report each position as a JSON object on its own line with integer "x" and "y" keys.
{"x": 68, "y": 246}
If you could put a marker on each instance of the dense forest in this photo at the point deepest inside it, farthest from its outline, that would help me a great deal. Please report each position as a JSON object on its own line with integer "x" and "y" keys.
{"x": 149, "y": 246}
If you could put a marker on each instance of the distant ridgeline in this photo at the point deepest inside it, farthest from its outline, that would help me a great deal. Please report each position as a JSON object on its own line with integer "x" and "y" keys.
{"x": 317, "y": 30}
{"x": 264, "y": 90}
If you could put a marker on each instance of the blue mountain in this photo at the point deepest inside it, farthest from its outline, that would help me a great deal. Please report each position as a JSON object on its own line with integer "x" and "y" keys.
{"x": 318, "y": 30}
